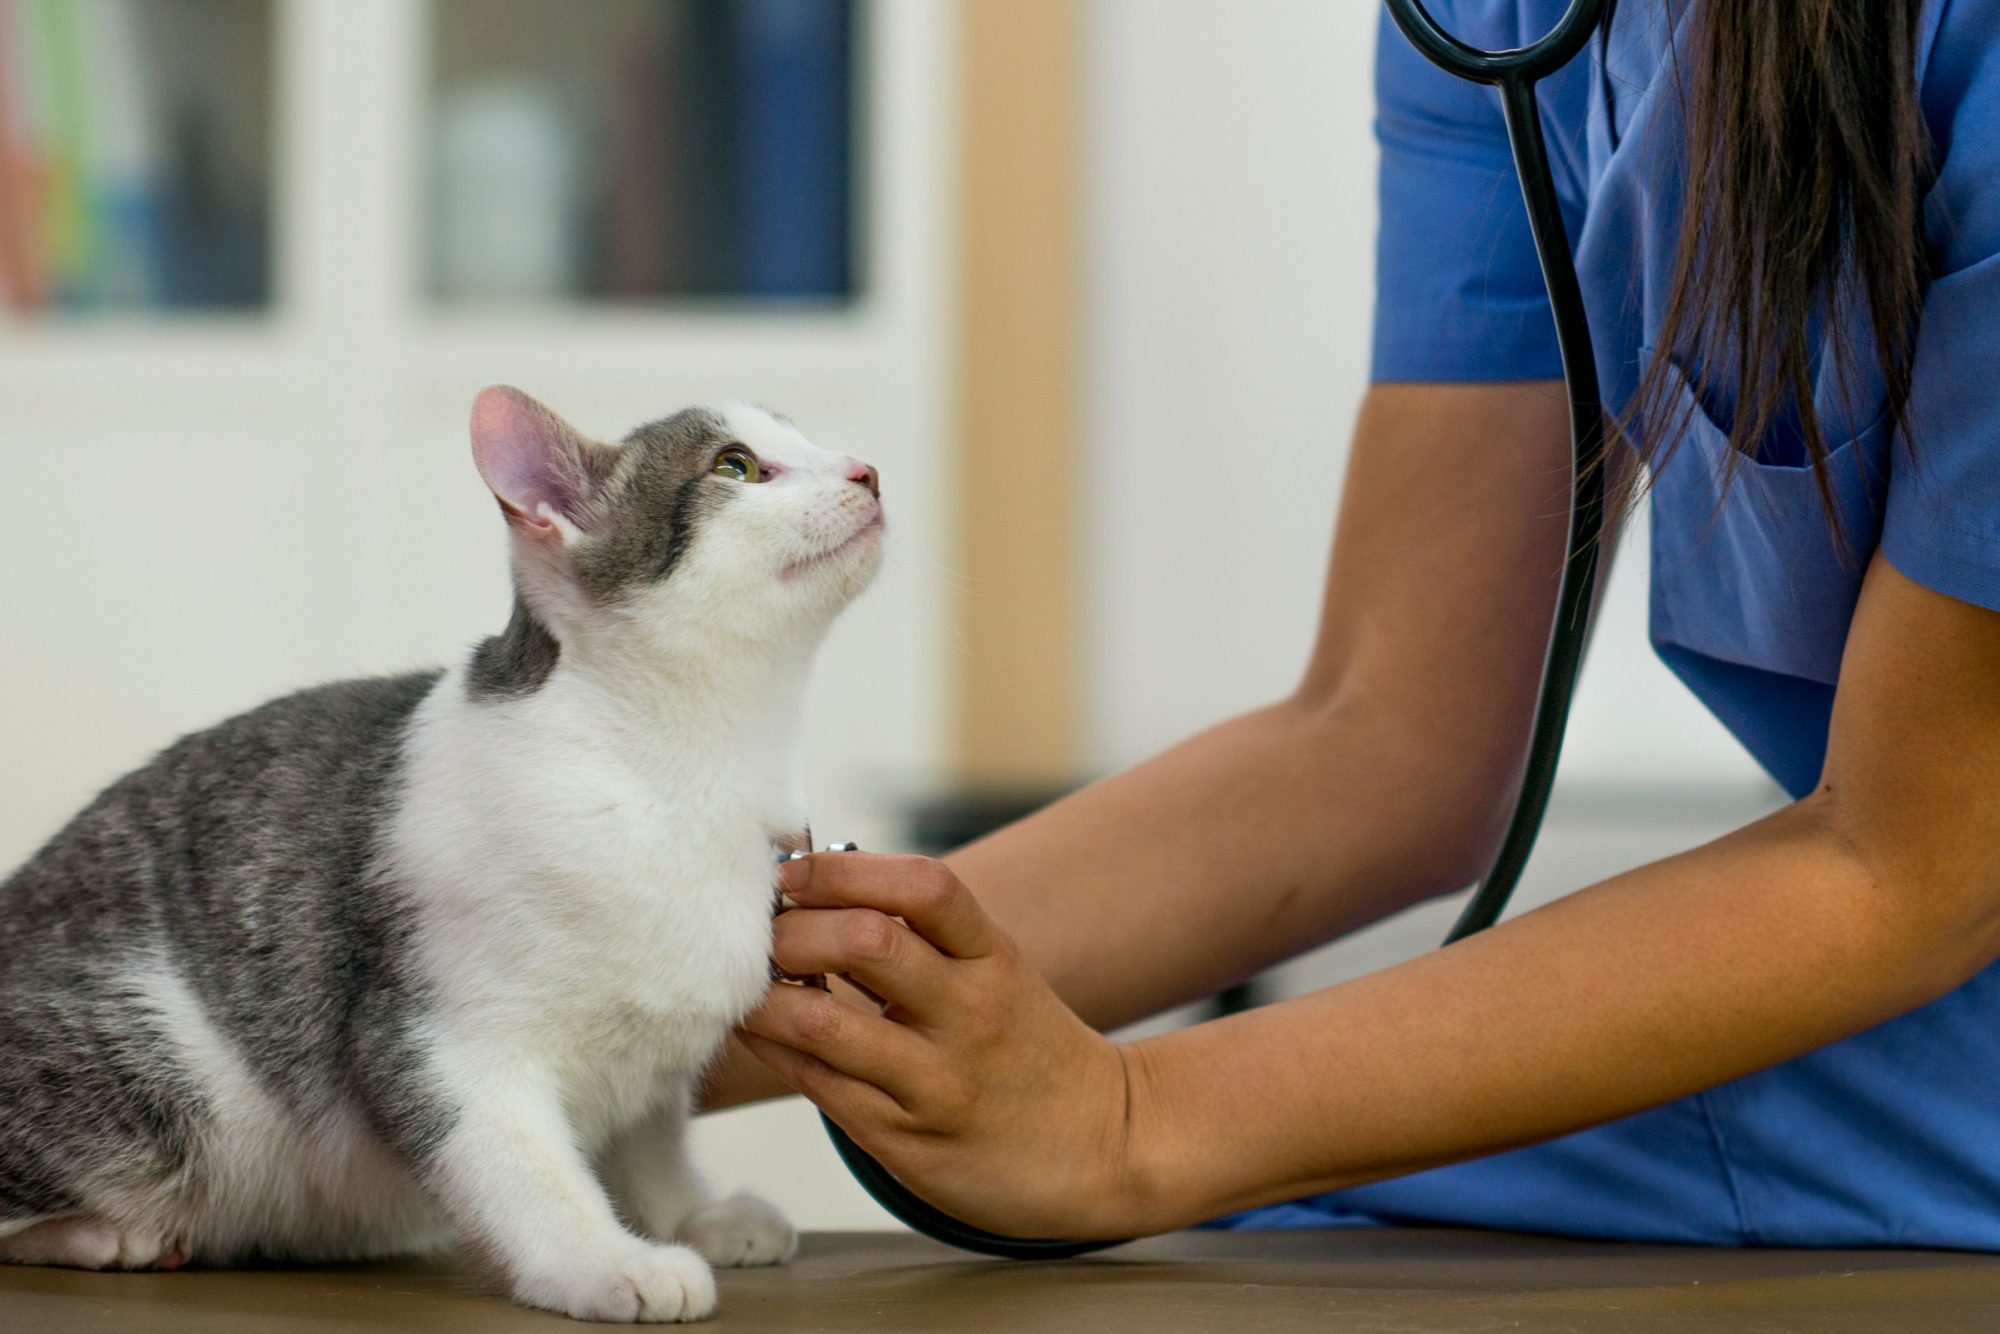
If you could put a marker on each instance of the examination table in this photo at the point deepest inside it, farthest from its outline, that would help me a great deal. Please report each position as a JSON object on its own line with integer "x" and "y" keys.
{"x": 1352, "y": 1281}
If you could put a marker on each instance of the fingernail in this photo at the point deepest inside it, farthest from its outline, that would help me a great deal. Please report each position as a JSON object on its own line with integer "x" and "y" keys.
{"x": 795, "y": 875}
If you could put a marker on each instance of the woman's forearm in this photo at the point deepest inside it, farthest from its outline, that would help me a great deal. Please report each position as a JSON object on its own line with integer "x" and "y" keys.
{"x": 1233, "y": 850}
{"x": 1659, "y": 983}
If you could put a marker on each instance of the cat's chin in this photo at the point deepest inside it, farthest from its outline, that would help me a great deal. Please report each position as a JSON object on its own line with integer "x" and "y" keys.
{"x": 863, "y": 542}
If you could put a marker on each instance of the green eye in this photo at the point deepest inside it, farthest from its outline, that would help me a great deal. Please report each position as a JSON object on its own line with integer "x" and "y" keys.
{"x": 739, "y": 464}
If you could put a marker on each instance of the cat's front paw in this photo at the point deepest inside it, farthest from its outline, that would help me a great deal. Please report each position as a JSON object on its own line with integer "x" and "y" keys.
{"x": 645, "y": 1284}
{"x": 740, "y": 1232}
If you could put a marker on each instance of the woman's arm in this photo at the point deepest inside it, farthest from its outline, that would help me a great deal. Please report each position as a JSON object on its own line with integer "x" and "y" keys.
{"x": 1876, "y": 894}
{"x": 1381, "y": 781}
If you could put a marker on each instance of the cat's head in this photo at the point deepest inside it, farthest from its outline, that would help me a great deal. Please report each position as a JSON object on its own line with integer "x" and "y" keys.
{"x": 714, "y": 525}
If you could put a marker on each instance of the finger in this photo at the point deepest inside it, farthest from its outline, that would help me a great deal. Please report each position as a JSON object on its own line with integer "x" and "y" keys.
{"x": 864, "y": 1046}
{"x": 872, "y": 950}
{"x": 847, "y": 1100}
{"x": 920, "y": 890}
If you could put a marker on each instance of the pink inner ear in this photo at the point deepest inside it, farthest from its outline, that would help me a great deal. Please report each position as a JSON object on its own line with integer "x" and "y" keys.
{"x": 529, "y": 457}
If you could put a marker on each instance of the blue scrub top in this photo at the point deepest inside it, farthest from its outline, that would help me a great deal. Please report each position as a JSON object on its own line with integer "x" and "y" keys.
{"x": 1891, "y": 1137}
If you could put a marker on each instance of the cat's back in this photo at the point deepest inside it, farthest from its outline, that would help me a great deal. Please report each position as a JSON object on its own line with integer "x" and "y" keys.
{"x": 272, "y": 804}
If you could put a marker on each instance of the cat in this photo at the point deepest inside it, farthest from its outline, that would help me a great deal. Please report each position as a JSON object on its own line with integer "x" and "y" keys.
{"x": 397, "y": 962}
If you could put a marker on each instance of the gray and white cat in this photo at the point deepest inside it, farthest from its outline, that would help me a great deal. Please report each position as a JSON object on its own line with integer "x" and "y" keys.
{"x": 398, "y": 961}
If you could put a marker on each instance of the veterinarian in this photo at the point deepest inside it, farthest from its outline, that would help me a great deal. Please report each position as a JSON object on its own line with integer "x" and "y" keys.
{"x": 1787, "y": 221}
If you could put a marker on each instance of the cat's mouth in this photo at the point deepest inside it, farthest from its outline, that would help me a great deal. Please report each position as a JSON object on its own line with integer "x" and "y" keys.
{"x": 866, "y": 535}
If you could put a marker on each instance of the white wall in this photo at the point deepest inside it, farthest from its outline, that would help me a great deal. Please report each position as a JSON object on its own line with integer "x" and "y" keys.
{"x": 1229, "y": 241}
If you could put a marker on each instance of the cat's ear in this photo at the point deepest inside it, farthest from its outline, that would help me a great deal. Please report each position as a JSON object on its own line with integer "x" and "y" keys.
{"x": 548, "y": 478}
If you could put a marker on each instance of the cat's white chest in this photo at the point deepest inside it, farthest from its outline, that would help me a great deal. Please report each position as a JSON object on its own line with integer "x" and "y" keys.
{"x": 599, "y": 911}
{"x": 669, "y": 922}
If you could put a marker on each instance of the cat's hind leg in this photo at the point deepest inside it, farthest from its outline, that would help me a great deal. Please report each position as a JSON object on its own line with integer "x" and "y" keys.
{"x": 79, "y": 1241}
{"x": 58, "y": 1109}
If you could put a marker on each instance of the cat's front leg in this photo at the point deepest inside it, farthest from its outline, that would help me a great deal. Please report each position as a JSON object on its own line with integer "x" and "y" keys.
{"x": 509, "y": 1175}
{"x": 647, "y": 1167}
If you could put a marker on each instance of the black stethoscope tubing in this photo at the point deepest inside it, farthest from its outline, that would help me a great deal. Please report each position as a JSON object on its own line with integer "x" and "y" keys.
{"x": 1514, "y": 73}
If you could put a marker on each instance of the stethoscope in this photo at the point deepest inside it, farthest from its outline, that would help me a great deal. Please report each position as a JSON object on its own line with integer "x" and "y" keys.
{"x": 1515, "y": 73}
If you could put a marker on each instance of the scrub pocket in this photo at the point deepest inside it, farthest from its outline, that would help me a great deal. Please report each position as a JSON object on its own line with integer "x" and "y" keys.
{"x": 1752, "y": 592}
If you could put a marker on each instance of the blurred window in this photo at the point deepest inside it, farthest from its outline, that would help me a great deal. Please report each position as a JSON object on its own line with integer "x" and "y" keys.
{"x": 641, "y": 149}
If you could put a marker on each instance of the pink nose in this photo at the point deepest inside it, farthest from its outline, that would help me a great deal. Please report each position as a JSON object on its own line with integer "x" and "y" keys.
{"x": 857, "y": 471}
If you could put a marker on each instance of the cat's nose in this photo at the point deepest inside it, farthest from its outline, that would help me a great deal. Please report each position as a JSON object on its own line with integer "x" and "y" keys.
{"x": 857, "y": 471}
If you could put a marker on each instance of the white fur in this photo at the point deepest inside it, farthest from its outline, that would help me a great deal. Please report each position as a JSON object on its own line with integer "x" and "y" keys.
{"x": 591, "y": 874}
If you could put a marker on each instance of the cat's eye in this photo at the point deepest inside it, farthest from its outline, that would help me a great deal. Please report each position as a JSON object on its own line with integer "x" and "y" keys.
{"x": 738, "y": 463}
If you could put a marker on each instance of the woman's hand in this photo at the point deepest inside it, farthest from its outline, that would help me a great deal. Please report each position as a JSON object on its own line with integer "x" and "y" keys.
{"x": 974, "y": 1084}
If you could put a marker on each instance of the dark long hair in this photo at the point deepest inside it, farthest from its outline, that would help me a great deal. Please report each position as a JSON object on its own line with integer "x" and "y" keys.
{"x": 1807, "y": 160}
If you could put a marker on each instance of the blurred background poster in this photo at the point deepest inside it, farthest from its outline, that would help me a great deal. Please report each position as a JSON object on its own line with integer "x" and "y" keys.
{"x": 639, "y": 149}
{"x": 1089, "y": 280}
{"x": 137, "y": 145}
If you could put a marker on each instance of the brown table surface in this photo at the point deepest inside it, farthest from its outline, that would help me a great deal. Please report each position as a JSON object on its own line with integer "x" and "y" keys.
{"x": 1373, "y": 1280}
